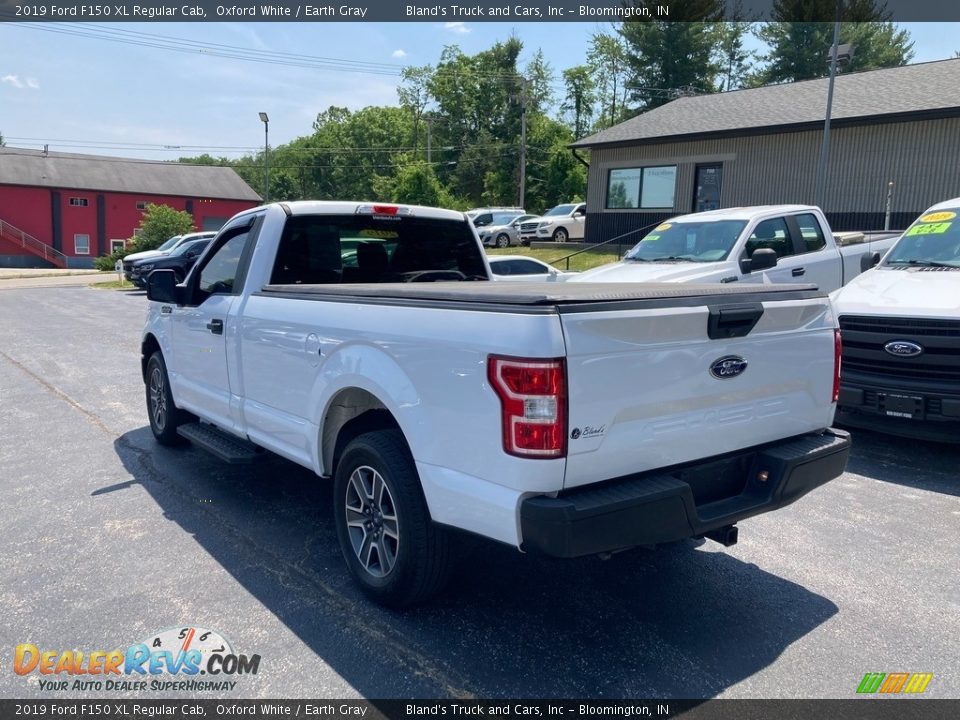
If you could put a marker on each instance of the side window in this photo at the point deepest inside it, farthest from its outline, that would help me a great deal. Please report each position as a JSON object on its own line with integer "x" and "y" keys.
{"x": 527, "y": 267}
{"x": 773, "y": 234}
{"x": 811, "y": 233}
{"x": 219, "y": 273}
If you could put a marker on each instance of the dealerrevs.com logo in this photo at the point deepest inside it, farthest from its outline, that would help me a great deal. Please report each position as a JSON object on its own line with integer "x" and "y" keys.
{"x": 170, "y": 660}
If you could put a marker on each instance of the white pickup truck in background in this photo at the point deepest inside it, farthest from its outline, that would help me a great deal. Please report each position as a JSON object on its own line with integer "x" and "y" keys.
{"x": 764, "y": 244}
{"x": 566, "y": 420}
{"x": 901, "y": 334}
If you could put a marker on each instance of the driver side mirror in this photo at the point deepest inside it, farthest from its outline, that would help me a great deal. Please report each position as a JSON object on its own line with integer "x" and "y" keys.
{"x": 162, "y": 287}
{"x": 762, "y": 259}
{"x": 869, "y": 260}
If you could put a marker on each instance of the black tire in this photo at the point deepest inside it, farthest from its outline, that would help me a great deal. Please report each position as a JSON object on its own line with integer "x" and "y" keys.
{"x": 560, "y": 235}
{"x": 165, "y": 420}
{"x": 415, "y": 564}
{"x": 502, "y": 241}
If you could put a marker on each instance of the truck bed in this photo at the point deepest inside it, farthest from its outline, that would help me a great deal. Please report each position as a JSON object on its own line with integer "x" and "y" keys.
{"x": 547, "y": 294}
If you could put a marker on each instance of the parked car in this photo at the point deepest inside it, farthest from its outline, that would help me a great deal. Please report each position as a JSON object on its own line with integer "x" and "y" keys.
{"x": 503, "y": 230}
{"x": 770, "y": 243}
{"x": 167, "y": 247}
{"x": 562, "y": 223}
{"x": 180, "y": 260}
{"x": 521, "y": 267}
{"x": 484, "y": 216}
{"x": 567, "y": 420}
{"x": 900, "y": 323}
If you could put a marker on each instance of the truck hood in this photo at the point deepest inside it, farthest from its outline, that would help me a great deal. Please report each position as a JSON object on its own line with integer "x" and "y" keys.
{"x": 654, "y": 272}
{"x": 143, "y": 255}
{"x": 901, "y": 292}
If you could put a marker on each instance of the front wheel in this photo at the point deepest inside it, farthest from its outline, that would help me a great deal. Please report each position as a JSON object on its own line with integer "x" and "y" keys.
{"x": 503, "y": 240}
{"x": 392, "y": 548}
{"x": 165, "y": 417}
{"x": 560, "y": 235}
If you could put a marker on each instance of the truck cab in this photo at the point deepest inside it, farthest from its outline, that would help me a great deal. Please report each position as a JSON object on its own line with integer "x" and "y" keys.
{"x": 764, "y": 244}
{"x": 900, "y": 323}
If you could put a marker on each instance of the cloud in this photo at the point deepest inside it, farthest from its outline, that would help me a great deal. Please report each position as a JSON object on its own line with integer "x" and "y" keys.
{"x": 457, "y": 27}
{"x": 398, "y": 53}
{"x": 15, "y": 81}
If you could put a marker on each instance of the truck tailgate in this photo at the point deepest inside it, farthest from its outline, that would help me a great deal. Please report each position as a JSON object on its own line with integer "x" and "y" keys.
{"x": 649, "y": 387}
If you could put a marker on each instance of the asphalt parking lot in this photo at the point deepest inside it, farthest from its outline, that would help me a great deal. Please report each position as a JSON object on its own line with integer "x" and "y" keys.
{"x": 107, "y": 538}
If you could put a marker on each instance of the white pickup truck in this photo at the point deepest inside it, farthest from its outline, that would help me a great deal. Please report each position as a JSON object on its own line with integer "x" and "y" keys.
{"x": 561, "y": 420}
{"x": 764, "y": 244}
{"x": 901, "y": 334}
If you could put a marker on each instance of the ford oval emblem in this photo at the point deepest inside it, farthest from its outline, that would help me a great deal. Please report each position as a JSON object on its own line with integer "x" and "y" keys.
{"x": 728, "y": 366}
{"x": 903, "y": 348}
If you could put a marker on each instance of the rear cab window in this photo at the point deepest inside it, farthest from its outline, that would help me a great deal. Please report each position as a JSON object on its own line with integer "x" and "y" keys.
{"x": 334, "y": 249}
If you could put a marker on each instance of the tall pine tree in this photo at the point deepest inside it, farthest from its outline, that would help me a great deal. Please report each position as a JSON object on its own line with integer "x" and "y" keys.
{"x": 670, "y": 58}
{"x": 800, "y": 41}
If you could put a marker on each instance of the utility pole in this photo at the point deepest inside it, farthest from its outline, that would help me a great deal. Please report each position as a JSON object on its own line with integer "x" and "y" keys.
{"x": 821, "y": 181}
{"x": 524, "y": 98}
{"x": 266, "y": 156}
{"x": 429, "y": 122}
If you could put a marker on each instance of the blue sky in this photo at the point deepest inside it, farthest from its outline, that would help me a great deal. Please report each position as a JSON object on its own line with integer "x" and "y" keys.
{"x": 57, "y": 87}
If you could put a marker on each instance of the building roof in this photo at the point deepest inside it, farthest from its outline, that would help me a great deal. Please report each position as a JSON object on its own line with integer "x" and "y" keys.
{"x": 865, "y": 96}
{"x": 19, "y": 166}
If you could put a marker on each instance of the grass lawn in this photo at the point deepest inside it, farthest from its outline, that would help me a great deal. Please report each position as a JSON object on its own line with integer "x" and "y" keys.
{"x": 583, "y": 261}
{"x": 115, "y": 285}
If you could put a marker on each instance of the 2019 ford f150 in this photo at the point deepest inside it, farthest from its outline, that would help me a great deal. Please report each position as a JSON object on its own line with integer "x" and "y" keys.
{"x": 365, "y": 342}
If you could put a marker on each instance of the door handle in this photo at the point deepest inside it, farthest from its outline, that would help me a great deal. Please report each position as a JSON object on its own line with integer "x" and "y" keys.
{"x": 797, "y": 272}
{"x": 215, "y": 326}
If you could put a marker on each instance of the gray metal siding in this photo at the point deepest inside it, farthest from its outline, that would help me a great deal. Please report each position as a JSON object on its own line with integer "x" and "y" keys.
{"x": 922, "y": 158}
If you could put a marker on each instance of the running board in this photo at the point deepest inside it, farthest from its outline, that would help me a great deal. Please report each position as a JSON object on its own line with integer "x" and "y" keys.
{"x": 225, "y": 446}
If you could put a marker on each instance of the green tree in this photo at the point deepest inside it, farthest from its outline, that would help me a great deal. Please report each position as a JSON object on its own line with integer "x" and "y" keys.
{"x": 580, "y": 98}
{"x": 735, "y": 61}
{"x": 607, "y": 59}
{"x": 2, "y": 141}
{"x": 414, "y": 95}
{"x": 800, "y": 42}
{"x": 669, "y": 58}
{"x": 158, "y": 224}
{"x": 416, "y": 184}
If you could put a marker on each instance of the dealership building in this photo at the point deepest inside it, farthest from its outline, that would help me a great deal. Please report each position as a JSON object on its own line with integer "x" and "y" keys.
{"x": 64, "y": 210}
{"x": 762, "y": 146}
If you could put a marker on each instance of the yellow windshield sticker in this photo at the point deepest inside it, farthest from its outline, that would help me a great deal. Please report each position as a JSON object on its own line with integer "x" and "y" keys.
{"x": 938, "y": 217}
{"x": 929, "y": 229}
{"x": 661, "y": 228}
{"x": 374, "y": 233}
{"x": 651, "y": 238}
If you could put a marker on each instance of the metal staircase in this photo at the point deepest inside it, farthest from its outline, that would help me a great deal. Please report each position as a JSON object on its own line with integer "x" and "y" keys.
{"x": 29, "y": 243}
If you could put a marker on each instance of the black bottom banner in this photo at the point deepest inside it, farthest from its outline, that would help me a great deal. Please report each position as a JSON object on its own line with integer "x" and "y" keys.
{"x": 859, "y": 709}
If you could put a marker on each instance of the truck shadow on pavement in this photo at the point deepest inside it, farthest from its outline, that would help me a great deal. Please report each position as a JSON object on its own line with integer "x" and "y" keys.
{"x": 681, "y": 622}
{"x": 894, "y": 459}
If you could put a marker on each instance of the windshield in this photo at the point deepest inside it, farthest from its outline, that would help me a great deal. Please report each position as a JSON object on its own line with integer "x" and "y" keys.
{"x": 169, "y": 243}
{"x": 503, "y": 218}
{"x": 934, "y": 239}
{"x": 709, "y": 241}
{"x": 184, "y": 247}
{"x": 559, "y": 210}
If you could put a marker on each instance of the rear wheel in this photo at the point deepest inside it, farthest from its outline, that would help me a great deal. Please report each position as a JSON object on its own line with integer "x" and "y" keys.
{"x": 560, "y": 235}
{"x": 503, "y": 240}
{"x": 165, "y": 417}
{"x": 392, "y": 548}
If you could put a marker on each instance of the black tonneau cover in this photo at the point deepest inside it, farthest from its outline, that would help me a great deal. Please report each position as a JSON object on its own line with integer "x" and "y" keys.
{"x": 546, "y": 293}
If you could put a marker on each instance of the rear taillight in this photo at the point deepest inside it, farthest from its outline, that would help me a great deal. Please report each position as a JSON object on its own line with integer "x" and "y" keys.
{"x": 837, "y": 352}
{"x": 533, "y": 398}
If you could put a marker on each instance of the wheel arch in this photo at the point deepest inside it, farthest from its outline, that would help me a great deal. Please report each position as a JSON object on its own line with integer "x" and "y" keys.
{"x": 351, "y": 412}
{"x": 148, "y": 346}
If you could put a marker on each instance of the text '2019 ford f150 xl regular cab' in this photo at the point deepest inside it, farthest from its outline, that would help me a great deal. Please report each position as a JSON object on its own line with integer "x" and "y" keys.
{"x": 365, "y": 342}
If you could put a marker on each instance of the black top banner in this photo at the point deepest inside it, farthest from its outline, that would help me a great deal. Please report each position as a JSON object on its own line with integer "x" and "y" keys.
{"x": 480, "y": 11}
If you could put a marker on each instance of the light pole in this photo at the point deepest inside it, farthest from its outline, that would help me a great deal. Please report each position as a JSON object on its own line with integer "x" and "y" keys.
{"x": 838, "y": 53}
{"x": 266, "y": 156}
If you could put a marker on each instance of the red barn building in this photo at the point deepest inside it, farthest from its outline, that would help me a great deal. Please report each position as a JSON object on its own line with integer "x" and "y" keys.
{"x": 64, "y": 210}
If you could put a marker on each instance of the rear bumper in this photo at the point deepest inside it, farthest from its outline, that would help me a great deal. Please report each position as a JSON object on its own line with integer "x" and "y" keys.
{"x": 647, "y": 509}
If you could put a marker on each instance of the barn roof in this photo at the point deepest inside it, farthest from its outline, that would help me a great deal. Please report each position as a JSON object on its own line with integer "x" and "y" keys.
{"x": 19, "y": 166}
{"x": 931, "y": 88}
